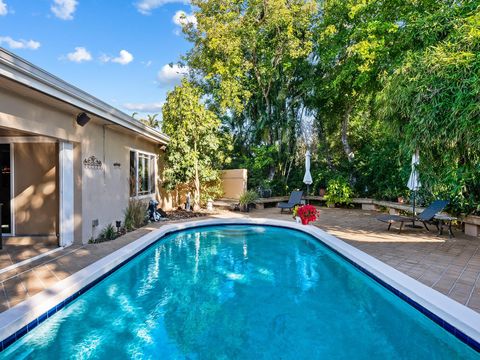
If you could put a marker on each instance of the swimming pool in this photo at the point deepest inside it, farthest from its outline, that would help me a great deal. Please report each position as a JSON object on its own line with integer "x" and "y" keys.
{"x": 238, "y": 291}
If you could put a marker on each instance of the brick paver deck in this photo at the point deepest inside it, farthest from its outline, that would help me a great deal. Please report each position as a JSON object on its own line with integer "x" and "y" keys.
{"x": 451, "y": 266}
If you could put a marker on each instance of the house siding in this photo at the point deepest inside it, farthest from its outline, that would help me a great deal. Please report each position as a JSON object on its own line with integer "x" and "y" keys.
{"x": 99, "y": 194}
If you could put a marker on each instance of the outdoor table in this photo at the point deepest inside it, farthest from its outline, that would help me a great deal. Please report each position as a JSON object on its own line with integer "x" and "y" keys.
{"x": 445, "y": 220}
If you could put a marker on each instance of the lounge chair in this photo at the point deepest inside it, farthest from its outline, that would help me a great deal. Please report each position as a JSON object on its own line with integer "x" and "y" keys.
{"x": 295, "y": 199}
{"x": 426, "y": 216}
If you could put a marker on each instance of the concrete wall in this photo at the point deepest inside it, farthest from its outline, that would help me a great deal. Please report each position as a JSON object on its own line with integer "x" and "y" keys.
{"x": 234, "y": 183}
{"x": 35, "y": 188}
{"x": 103, "y": 193}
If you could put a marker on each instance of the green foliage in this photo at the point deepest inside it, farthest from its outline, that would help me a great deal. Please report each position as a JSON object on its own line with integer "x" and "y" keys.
{"x": 338, "y": 192}
{"x": 151, "y": 121}
{"x": 433, "y": 96}
{"x": 107, "y": 233}
{"x": 197, "y": 145}
{"x": 211, "y": 190}
{"x": 378, "y": 79}
{"x": 134, "y": 215}
{"x": 252, "y": 57}
{"x": 248, "y": 197}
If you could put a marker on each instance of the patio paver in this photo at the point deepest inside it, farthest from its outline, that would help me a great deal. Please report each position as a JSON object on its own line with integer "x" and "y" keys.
{"x": 451, "y": 266}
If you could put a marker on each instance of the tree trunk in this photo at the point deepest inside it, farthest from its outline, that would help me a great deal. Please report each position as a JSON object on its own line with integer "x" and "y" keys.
{"x": 346, "y": 146}
{"x": 324, "y": 145}
{"x": 196, "y": 194}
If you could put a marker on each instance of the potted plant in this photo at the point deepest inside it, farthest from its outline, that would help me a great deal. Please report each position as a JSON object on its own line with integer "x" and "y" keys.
{"x": 307, "y": 213}
{"x": 246, "y": 199}
{"x": 322, "y": 188}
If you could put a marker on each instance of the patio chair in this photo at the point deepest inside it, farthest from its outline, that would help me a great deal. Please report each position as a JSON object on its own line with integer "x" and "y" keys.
{"x": 295, "y": 199}
{"x": 426, "y": 216}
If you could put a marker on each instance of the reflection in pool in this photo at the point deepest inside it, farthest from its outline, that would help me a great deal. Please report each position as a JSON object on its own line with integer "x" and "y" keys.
{"x": 244, "y": 292}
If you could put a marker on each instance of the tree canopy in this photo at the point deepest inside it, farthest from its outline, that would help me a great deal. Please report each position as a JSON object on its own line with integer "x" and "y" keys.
{"x": 196, "y": 143}
{"x": 361, "y": 84}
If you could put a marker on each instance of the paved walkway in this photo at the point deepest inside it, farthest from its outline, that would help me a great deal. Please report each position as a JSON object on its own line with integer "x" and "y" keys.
{"x": 451, "y": 266}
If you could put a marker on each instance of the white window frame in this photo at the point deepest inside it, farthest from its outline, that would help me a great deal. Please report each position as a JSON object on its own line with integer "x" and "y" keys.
{"x": 151, "y": 177}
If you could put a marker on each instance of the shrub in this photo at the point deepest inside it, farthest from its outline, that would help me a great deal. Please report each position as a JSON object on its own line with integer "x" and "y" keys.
{"x": 109, "y": 232}
{"x": 338, "y": 192}
{"x": 248, "y": 197}
{"x": 135, "y": 215}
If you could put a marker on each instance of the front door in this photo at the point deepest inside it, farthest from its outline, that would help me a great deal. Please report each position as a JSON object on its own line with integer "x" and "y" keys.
{"x": 5, "y": 188}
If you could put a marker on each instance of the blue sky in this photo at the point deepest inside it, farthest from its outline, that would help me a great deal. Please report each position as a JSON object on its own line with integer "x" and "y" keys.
{"x": 117, "y": 50}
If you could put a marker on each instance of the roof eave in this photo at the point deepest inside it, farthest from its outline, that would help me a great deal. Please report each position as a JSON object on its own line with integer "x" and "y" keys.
{"x": 21, "y": 71}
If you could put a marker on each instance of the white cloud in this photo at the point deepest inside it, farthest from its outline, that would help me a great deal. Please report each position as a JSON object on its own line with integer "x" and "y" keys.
{"x": 64, "y": 9}
{"x": 79, "y": 55}
{"x": 144, "y": 107}
{"x": 124, "y": 58}
{"x": 181, "y": 18}
{"x": 145, "y": 7}
{"x": 3, "y": 8}
{"x": 171, "y": 74}
{"x": 19, "y": 44}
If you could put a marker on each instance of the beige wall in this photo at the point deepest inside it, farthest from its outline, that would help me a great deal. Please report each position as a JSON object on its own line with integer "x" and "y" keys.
{"x": 105, "y": 192}
{"x": 101, "y": 194}
{"x": 35, "y": 188}
{"x": 234, "y": 183}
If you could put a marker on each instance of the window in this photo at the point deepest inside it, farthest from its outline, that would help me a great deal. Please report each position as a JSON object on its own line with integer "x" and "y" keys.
{"x": 142, "y": 173}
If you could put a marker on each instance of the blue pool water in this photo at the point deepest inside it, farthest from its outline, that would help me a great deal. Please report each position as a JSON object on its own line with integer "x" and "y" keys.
{"x": 238, "y": 292}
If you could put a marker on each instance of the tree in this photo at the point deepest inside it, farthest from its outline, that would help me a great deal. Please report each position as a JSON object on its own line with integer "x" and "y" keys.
{"x": 151, "y": 121}
{"x": 251, "y": 57}
{"x": 433, "y": 99}
{"x": 195, "y": 150}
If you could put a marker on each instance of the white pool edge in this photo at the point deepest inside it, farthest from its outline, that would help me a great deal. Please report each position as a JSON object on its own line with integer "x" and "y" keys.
{"x": 459, "y": 316}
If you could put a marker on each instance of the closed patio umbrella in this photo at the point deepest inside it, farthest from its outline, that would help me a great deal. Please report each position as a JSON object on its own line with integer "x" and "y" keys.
{"x": 307, "y": 178}
{"x": 414, "y": 181}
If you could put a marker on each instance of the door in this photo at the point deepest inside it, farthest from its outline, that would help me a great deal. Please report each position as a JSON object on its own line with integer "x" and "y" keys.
{"x": 5, "y": 188}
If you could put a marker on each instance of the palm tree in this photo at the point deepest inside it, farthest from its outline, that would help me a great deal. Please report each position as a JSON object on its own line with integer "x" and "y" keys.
{"x": 151, "y": 121}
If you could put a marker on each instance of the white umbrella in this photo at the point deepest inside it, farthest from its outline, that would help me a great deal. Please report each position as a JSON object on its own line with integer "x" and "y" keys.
{"x": 307, "y": 178}
{"x": 414, "y": 180}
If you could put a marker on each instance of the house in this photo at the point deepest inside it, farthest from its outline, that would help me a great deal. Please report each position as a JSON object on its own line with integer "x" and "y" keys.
{"x": 69, "y": 162}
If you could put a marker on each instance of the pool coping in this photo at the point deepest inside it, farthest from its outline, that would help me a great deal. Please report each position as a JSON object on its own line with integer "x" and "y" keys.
{"x": 454, "y": 317}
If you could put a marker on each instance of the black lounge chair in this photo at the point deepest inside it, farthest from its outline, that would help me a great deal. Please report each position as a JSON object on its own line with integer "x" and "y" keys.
{"x": 295, "y": 199}
{"x": 427, "y": 216}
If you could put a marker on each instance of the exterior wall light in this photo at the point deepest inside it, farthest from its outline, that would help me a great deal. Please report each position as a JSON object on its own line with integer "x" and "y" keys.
{"x": 82, "y": 119}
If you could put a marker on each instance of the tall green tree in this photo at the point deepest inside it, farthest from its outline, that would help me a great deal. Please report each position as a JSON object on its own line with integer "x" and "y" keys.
{"x": 151, "y": 121}
{"x": 251, "y": 56}
{"x": 433, "y": 97}
{"x": 196, "y": 148}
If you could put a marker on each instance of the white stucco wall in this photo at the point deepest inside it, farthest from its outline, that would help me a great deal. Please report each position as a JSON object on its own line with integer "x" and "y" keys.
{"x": 99, "y": 194}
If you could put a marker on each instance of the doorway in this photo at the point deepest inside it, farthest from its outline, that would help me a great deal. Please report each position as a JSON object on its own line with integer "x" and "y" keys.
{"x": 6, "y": 188}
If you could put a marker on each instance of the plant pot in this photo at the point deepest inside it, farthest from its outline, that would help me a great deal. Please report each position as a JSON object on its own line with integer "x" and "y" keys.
{"x": 298, "y": 219}
{"x": 321, "y": 192}
{"x": 305, "y": 221}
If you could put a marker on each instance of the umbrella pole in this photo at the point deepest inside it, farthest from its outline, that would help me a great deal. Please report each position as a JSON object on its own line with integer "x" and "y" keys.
{"x": 308, "y": 188}
{"x": 414, "y": 195}
{"x": 414, "y": 213}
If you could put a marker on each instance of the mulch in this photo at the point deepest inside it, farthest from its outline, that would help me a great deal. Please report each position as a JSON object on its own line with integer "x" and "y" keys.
{"x": 183, "y": 214}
